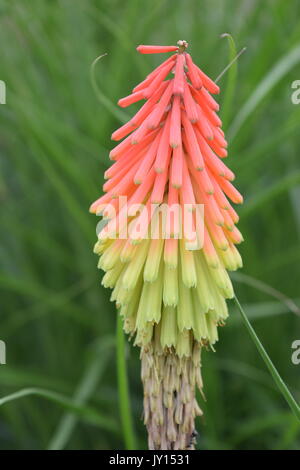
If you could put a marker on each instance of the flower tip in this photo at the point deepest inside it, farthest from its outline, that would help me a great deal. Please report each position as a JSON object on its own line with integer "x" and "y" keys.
{"x": 100, "y": 212}
{"x": 223, "y": 153}
{"x": 224, "y": 246}
{"x": 213, "y": 264}
{"x": 135, "y": 241}
{"x": 182, "y": 45}
{"x": 178, "y": 90}
{"x": 142, "y": 49}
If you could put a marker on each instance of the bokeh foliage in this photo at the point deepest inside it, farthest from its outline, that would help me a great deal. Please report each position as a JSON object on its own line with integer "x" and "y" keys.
{"x": 56, "y": 319}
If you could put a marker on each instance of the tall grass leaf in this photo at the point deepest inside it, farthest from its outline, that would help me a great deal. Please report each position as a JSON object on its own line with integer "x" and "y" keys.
{"x": 123, "y": 389}
{"x": 267, "y": 289}
{"x": 261, "y": 425}
{"x": 283, "y": 66}
{"x": 84, "y": 391}
{"x": 231, "y": 81}
{"x": 295, "y": 408}
{"x": 106, "y": 102}
{"x": 87, "y": 413}
{"x": 285, "y": 183}
{"x": 259, "y": 310}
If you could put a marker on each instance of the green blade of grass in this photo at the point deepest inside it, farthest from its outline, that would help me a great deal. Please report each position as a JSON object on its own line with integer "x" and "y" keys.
{"x": 259, "y": 310}
{"x": 272, "y": 369}
{"x": 114, "y": 110}
{"x": 231, "y": 80}
{"x": 124, "y": 401}
{"x": 267, "y": 289}
{"x": 262, "y": 424}
{"x": 270, "y": 193}
{"x": 280, "y": 69}
{"x": 84, "y": 391}
{"x": 88, "y": 413}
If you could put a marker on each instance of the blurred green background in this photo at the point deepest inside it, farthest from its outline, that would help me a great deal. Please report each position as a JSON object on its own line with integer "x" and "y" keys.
{"x": 56, "y": 319}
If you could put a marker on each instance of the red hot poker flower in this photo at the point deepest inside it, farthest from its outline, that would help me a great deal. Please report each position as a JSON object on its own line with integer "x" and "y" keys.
{"x": 170, "y": 287}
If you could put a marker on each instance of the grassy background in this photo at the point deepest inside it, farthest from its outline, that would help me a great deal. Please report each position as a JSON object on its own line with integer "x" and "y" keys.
{"x": 56, "y": 319}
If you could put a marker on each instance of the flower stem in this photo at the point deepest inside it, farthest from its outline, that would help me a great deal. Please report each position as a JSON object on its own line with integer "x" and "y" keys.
{"x": 123, "y": 389}
{"x": 273, "y": 371}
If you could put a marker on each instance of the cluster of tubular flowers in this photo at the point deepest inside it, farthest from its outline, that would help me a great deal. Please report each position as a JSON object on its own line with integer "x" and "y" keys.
{"x": 171, "y": 295}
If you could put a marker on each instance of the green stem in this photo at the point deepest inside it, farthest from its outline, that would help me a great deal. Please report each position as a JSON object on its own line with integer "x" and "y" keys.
{"x": 124, "y": 401}
{"x": 273, "y": 371}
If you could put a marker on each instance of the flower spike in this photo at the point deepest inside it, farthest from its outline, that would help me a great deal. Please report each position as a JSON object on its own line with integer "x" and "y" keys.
{"x": 171, "y": 237}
